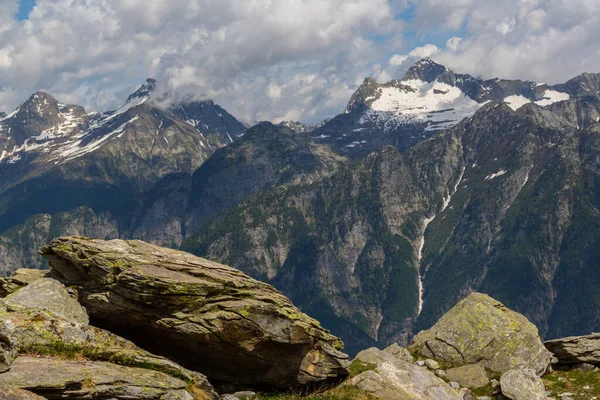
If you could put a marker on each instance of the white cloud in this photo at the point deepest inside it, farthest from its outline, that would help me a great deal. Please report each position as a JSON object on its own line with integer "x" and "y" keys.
{"x": 235, "y": 52}
{"x": 506, "y": 26}
{"x": 543, "y": 40}
{"x": 274, "y": 59}
{"x": 398, "y": 64}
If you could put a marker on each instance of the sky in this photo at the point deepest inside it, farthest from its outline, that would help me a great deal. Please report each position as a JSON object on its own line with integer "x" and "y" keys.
{"x": 280, "y": 59}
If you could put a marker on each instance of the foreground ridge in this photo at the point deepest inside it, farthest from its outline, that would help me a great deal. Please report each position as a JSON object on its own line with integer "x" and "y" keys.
{"x": 209, "y": 316}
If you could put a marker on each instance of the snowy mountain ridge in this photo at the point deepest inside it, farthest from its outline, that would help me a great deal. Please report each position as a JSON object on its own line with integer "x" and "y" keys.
{"x": 428, "y": 99}
{"x": 435, "y": 96}
{"x": 63, "y": 132}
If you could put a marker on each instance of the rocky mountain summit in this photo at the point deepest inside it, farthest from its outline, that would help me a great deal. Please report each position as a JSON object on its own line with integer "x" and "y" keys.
{"x": 101, "y": 160}
{"x": 428, "y": 99}
{"x": 127, "y": 320}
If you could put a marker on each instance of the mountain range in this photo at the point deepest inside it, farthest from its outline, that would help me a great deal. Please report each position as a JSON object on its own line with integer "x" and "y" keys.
{"x": 375, "y": 222}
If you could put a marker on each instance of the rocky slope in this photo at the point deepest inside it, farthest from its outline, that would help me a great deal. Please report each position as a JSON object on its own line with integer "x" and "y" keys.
{"x": 428, "y": 99}
{"x": 505, "y": 203}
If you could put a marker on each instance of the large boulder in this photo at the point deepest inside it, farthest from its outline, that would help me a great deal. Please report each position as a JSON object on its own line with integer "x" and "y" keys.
{"x": 576, "y": 349}
{"x": 482, "y": 330}
{"x": 68, "y": 379}
{"x": 522, "y": 384}
{"x": 211, "y": 317}
{"x": 43, "y": 320}
{"x": 393, "y": 377}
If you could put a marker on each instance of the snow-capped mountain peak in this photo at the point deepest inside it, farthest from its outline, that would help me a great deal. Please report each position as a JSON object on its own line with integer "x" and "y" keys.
{"x": 429, "y": 98}
{"x": 143, "y": 92}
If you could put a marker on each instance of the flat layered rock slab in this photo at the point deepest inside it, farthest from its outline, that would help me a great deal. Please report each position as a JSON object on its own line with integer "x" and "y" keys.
{"x": 22, "y": 277}
{"x": 208, "y": 316}
{"x": 64, "y": 379}
{"x": 51, "y": 295}
{"x": 576, "y": 349}
{"x": 42, "y": 319}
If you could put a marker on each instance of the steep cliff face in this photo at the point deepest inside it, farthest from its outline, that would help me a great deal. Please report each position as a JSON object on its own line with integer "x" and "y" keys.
{"x": 506, "y": 203}
{"x": 19, "y": 246}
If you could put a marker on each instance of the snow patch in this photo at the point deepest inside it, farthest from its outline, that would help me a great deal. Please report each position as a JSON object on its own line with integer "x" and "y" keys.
{"x": 426, "y": 222}
{"x": 436, "y": 104}
{"x": 75, "y": 149}
{"x": 551, "y": 97}
{"x": 495, "y": 175}
{"x": 517, "y": 101}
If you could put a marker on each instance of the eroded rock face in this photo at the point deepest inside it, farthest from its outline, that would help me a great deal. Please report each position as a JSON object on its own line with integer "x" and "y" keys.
{"x": 482, "y": 330}
{"x": 59, "y": 379}
{"x": 50, "y": 295}
{"x": 211, "y": 317}
{"x": 43, "y": 320}
{"x": 395, "y": 378}
{"x": 576, "y": 349}
{"x": 523, "y": 384}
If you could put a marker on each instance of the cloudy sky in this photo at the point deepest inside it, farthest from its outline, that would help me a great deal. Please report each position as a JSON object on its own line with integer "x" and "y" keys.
{"x": 280, "y": 59}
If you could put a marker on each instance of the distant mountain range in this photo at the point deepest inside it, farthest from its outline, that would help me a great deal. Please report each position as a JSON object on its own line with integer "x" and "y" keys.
{"x": 428, "y": 99}
{"x": 375, "y": 222}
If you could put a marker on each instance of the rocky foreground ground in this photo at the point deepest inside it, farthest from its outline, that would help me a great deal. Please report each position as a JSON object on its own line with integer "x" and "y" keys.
{"x": 126, "y": 320}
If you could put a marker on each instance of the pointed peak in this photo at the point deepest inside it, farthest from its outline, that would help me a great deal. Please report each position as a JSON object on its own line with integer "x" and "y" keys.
{"x": 41, "y": 97}
{"x": 144, "y": 91}
{"x": 369, "y": 81}
{"x": 40, "y": 104}
{"x": 365, "y": 92}
{"x": 426, "y": 69}
{"x": 427, "y": 61}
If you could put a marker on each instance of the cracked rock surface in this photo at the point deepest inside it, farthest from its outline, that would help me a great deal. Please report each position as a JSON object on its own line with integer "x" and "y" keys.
{"x": 576, "y": 349}
{"x": 482, "y": 330}
{"x": 208, "y": 316}
{"x": 395, "y": 377}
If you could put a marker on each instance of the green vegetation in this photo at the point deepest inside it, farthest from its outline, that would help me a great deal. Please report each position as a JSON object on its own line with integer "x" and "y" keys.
{"x": 358, "y": 367}
{"x": 484, "y": 391}
{"x": 582, "y": 385}
{"x": 339, "y": 393}
{"x": 59, "y": 349}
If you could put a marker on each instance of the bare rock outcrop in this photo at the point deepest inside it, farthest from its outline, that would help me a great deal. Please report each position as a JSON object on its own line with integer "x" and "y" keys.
{"x": 481, "y": 330}
{"x": 208, "y": 316}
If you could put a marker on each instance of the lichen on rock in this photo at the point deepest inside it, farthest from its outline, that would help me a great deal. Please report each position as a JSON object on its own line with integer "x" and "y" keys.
{"x": 482, "y": 330}
{"x": 212, "y": 317}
